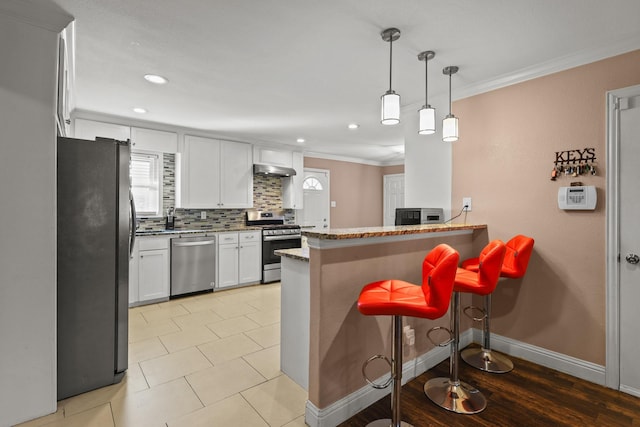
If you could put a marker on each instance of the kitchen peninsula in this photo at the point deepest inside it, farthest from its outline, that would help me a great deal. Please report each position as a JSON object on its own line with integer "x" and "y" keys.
{"x": 326, "y": 348}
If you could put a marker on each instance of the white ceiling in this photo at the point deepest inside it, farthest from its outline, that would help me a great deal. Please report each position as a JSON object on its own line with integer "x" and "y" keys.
{"x": 270, "y": 71}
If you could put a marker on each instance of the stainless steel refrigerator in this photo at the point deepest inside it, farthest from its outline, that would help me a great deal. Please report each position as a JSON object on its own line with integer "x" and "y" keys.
{"x": 95, "y": 223}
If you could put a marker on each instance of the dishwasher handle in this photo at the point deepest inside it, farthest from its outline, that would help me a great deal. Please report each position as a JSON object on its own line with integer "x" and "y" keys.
{"x": 198, "y": 243}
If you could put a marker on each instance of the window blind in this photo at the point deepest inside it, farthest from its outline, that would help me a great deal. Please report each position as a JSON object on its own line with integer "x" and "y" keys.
{"x": 146, "y": 177}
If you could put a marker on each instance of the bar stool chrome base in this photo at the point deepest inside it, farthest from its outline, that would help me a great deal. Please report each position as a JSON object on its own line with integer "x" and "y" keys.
{"x": 487, "y": 360}
{"x": 386, "y": 422}
{"x": 460, "y": 398}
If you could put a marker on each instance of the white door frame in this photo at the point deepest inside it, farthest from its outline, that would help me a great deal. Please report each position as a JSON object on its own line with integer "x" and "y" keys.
{"x": 385, "y": 178}
{"x": 612, "y": 362}
{"x": 328, "y": 174}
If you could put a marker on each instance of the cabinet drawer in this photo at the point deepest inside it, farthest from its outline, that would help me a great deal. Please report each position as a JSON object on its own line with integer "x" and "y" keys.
{"x": 153, "y": 243}
{"x": 250, "y": 237}
{"x": 227, "y": 238}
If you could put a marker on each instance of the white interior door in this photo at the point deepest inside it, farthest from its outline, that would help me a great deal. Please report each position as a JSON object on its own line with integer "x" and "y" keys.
{"x": 393, "y": 195}
{"x": 316, "y": 199}
{"x": 629, "y": 245}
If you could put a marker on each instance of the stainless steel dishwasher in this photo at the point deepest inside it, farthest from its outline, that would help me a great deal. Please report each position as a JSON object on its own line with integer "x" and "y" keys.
{"x": 193, "y": 264}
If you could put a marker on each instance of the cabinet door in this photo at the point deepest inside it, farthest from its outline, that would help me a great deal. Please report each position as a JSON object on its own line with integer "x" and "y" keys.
{"x": 200, "y": 173}
{"x": 292, "y": 193}
{"x": 133, "y": 275}
{"x": 236, "y": 175}
{"x": 154, "y": 140}
{"x": 227, "y": 265}
{"x": 153, "y": 274}
{"x": 250, "y": 257}
{"x": 272, "y": 156}
{"x": 89, "y": 129}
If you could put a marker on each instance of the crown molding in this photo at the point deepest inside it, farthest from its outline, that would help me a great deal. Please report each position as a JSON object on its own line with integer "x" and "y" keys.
{"x": 542, "y": 69}
{"x": 36, "y": 14}
{"x": 572, "y": 60}
{"x": 326, "y": 156}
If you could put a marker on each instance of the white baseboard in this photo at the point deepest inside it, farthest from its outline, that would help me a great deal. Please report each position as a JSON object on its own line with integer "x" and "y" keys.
{"x": 350, "y": 405}
{"x": 355, "y": 402}
{"x": 629, "y": 390}
{"x": 560, "y": 362}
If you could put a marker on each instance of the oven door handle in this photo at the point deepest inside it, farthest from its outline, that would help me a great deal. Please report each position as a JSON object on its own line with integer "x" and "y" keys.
{"x": 281, "y": 237}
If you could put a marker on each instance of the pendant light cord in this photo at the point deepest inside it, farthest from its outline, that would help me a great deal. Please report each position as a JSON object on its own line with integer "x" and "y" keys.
{"x": 426, "y": 83}
{"x": 449, "y": 93}
{"x": 390, "y": 58}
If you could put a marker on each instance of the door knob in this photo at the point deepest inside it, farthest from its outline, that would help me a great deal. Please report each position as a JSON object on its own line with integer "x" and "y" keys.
{"x": 632, "y": 259}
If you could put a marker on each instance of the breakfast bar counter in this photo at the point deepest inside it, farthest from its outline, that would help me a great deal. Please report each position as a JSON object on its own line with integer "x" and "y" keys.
{"x": 331, "y": 339}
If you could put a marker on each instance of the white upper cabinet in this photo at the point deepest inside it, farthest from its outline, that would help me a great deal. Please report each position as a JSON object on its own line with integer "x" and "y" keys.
{"x": 90, "y": 129}
{"x": 154, "y": 140}
{"x": 272, "y": 156}
{"x": 141, "y": 139}
{"x": 63, "y": 117}
{"x": 292, "y": 193}
{"x": 236, "y": 175}
{"x": 216, "y": 174}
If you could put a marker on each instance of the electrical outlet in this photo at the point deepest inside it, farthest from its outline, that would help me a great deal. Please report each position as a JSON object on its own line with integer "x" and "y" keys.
{"x": 409, "y": 335}
{"x": 203, "y": 214}
{"x": 466, "y": 201}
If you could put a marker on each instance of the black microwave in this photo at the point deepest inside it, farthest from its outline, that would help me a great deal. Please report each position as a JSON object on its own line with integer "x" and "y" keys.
{"x": 413, "y": 216}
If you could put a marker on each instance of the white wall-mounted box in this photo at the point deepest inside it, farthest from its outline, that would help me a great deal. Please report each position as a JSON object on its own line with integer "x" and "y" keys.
{"x": 577, "y": 197}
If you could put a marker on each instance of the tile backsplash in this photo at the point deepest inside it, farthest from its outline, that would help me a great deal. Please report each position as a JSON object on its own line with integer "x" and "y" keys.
{"x": 267, "y": 196}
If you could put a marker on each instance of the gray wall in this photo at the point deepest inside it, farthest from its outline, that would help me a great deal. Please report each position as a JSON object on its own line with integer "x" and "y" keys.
{"x": 27, "y": 229}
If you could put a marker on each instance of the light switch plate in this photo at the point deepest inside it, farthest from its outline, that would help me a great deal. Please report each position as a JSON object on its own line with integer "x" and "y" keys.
{"x": 203, "y": 214}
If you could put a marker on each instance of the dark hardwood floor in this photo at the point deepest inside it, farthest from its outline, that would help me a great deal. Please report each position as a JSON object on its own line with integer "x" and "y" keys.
{"x": 530, "y": 395}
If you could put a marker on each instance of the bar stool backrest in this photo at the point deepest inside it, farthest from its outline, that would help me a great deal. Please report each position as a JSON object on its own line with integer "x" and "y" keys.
{"x": 516, "y": 259}
{"x": 490, "y": 265}
{"x": 438, "y": 275}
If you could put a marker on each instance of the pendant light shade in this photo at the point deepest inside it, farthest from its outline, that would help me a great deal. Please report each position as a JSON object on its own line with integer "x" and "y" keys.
{"x": 450, "y": 128}
{"x": 390, "y": 100}
{"x": 427, "y": 114}
{"x": 390, "y": 108}
{"x": 450, "y": 122}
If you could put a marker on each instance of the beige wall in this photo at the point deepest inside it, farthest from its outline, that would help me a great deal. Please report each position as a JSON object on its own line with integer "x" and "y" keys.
{"x": 503, "y": 160}
{"x": 357, "y": 190}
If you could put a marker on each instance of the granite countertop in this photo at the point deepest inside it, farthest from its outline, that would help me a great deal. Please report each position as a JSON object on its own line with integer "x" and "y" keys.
{"x": 142, "y": 233}
{"x": 364, "y": 232}
{"x": 301, "y": 254}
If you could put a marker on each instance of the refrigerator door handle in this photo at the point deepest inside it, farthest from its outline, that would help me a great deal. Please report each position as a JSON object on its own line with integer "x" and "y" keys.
{"x": 132, "y": 225}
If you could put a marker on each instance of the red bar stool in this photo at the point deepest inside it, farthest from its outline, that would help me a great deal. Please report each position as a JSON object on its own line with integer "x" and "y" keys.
{"x": 514, "y": 266}
{"x": 451, "y": 393}
{"x": 398, "y": 298}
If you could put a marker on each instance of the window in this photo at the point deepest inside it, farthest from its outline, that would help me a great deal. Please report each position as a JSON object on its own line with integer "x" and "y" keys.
{"x": 312, "y": 183}
{"x": 146, "y": 182}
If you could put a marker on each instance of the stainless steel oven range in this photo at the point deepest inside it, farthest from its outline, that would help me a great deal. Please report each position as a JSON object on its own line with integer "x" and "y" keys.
{"x": 275, "y": 235}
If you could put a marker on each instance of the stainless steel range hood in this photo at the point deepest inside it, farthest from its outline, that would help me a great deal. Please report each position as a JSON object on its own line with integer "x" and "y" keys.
{"x": 273, "y": 170}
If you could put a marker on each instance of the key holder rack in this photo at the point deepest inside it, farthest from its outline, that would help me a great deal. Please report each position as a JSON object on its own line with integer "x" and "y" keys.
{"x": 574, "y": 163}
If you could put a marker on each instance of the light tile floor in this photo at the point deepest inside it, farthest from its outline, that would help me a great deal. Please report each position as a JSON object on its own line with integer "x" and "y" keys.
{"x": 207, "y": 360}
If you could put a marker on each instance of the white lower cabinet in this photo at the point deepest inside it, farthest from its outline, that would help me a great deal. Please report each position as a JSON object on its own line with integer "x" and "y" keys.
{"x": 239, "y": 258}
{"x": 250, "y": 257}
{"x": 149, "y": 271}
{"x": 227, "y": 259}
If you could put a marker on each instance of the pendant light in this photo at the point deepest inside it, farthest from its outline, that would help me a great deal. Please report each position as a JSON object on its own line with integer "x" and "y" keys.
{"x": 390, "y": 100}
{"x": 427, "y": 114}
{"x": 450, "y": 122}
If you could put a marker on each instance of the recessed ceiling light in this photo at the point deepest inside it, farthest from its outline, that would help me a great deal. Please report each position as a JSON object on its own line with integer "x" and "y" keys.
{"x": 353, "y": 126}
{"x": 154, "y": 78}
{"x": 300, "y": 140}
{"x": 139, "y": 110}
